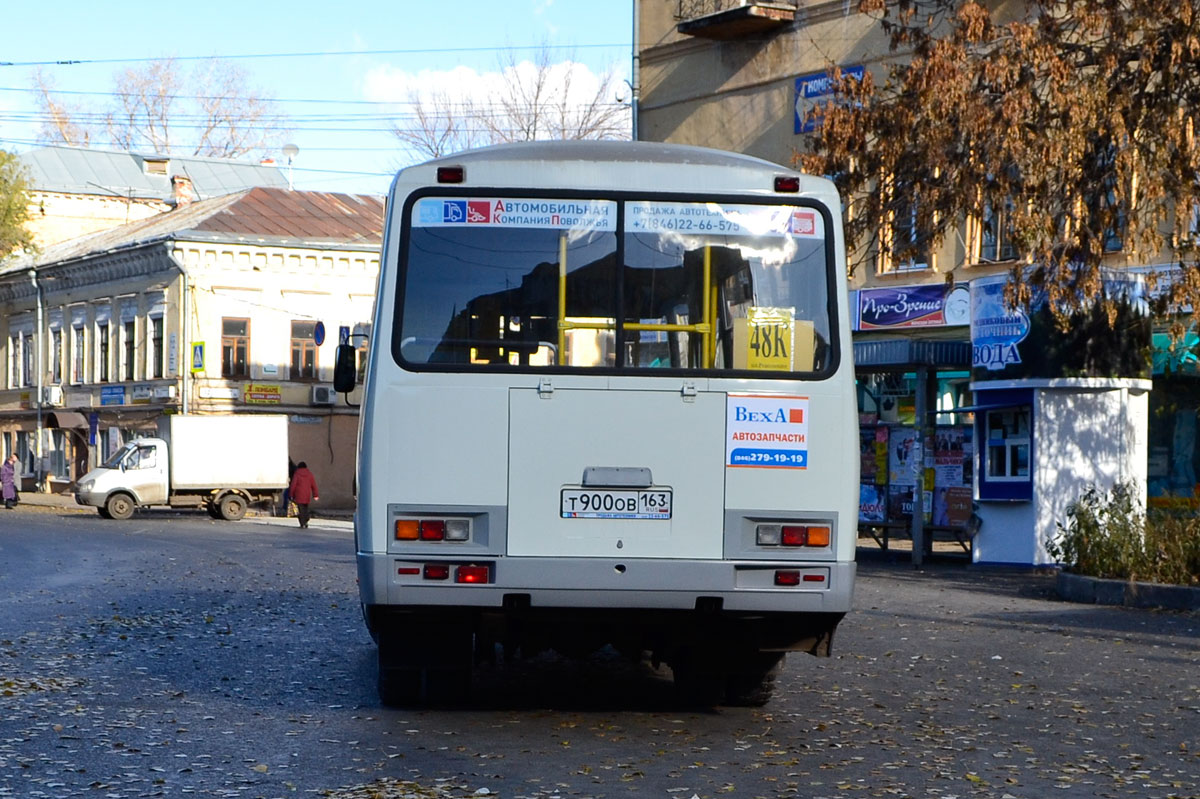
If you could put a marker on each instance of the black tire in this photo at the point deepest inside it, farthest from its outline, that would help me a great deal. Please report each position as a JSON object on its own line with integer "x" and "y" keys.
{"x": 398, "y": 687}
{"x": 213, "y": 511}
{"x": 699, "y": 683}
{"x": 232, "y": 507}
{"x": 752, "y": 681}
{"x": 103, "y": 512}
{"x": 437, "y": 670}
{"x": 119, "y": 506}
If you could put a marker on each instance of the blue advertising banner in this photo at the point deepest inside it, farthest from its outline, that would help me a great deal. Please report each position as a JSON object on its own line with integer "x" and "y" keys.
{"x": 913, "y": 306}
{"x": 1104, "y": 336}
{"x": 814, "y": 89}
{"x": 996, "y": 329}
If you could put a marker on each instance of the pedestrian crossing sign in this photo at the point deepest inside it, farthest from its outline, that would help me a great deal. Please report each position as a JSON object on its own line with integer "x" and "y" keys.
{"x": 197, "y": 356}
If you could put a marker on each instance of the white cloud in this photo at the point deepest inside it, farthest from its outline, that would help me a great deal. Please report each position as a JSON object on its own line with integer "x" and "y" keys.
{"x": 388, "y": 84}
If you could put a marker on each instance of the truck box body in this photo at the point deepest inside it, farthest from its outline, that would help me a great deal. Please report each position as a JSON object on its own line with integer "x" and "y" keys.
{"x": 248, "y": 452}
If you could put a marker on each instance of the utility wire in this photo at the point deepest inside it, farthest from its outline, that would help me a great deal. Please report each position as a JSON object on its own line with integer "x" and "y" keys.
{"x": 316, "y": 54}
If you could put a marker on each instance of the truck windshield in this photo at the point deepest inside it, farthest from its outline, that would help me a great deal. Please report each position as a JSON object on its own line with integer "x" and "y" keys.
{"x": 529, "y": 283}
{"x": 114, "y": 460}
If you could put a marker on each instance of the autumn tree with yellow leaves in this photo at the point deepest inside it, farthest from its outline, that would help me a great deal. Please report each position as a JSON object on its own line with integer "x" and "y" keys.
{"x": 1079, "y": 117}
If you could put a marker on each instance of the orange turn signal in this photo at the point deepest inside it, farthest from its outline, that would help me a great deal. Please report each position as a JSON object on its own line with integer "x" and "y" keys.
{"x": 406, "y": 529}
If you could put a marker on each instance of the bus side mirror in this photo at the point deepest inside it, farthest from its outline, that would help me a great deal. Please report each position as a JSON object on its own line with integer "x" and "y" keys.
{"x": 345, "y": 372}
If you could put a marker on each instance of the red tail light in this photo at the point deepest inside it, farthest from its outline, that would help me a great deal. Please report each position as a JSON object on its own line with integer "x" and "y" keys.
{"x": 451, "y": 174}
{"x": 433, "y": 530}
{"x": 787, "y": 578}
{"x": 787, "y": 183}
{"x": 794, "y": 535}
{"x": 437, "y": 571}
{"x": 471, "y": 574}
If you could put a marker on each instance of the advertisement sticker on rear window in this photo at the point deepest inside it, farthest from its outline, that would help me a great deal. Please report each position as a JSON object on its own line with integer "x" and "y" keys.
{"x": 515, "y": 212}
{"x": 766, "y": 432}
{"x": 724, "y": 219}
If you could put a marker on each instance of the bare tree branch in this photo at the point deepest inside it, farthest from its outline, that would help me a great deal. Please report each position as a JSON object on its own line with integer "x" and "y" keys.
{"x": 534, "y": 100}
{"x": 213, "y": 112}
{"x": 58, "y": 121}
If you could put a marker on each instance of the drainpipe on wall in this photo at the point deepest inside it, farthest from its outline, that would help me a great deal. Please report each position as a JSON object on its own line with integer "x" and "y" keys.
{"x": 635, "y": 78}
{"x": 183, "y": 357}
{"x": 38, "y": 366}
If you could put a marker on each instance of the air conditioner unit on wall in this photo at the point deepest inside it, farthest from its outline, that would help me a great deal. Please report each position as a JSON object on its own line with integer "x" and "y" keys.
{"x": 52, "y": 395}
{"x": 323, "y": 395}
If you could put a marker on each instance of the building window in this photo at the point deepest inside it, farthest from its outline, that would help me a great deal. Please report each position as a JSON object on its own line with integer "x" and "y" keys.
{"x": 56, "y": 354}
{"x": 14, "y": 361}
{"x": 60, "y": 463}
{"x": 27, "y": 365}
{"x": 78, "y": 357}
{"x": 25, "y": 452}
{"x": 155, "y": 367}
{"x": 362, "y": 342}
{"x": 904, "y": 248}
{"x": 129, "y": 340}
{"x": 996, "y": 231}
{"x": 103, "y": 356}
{"x": 1008, "y": 444}
{"x": 304, "y": 351}
{"x": 235, "y": 348}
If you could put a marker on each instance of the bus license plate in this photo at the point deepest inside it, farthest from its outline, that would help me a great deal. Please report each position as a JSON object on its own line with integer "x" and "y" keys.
{"x": 616, "y": 504}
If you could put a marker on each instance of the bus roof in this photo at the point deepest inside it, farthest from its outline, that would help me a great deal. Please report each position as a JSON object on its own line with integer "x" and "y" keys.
{"x": 574, "y": 164}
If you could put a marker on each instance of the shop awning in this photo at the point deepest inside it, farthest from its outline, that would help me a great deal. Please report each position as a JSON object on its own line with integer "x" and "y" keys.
{"x": 909, "y": 354}
{"x": 67, "y": 420}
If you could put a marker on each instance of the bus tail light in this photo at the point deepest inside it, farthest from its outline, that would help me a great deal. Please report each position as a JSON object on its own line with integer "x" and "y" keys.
{"x": 787, "y": 183}
{"x": 793, "y": 535}
{"x": 457, "y": 530}
{"x": 472, "y": 574}
{"x": 451, "y": 174}
{"x": 433, "y": 530}
{"x": 787, "y": 577}
{"x": 437, "y": 571}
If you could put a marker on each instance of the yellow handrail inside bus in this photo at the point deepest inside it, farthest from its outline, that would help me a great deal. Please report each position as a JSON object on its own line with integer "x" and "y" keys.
{"x": 562, "y": 297}
{"x": 706, "y": 328}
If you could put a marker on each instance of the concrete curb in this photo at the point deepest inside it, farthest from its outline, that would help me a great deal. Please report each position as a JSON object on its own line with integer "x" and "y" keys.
{"x": 1099, "y": 591}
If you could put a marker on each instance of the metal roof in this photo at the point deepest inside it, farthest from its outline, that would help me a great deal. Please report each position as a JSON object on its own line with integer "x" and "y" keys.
{"x": 265, "y": 216}
{"x": 80, "y": 170}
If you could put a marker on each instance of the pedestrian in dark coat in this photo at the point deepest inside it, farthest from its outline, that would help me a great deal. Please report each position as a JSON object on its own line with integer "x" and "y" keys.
{"x": 8, "y": 480}
{"x": 303, "y": 491}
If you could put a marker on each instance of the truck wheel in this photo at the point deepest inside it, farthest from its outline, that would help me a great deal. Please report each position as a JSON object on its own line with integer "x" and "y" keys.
{"x": 752, "y": 679}
{"x": 119, "y": 506}
{"x": 232, "y": 507}
{"x": 103, "y": 513}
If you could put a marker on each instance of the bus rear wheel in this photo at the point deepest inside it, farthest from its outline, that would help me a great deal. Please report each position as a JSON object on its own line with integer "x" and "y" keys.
{"x": 752, "y": 678}
{"x": 425, "y": 665}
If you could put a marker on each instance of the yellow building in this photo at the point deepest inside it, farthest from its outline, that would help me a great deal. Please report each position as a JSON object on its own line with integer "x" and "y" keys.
{"x": 211, "y": 307}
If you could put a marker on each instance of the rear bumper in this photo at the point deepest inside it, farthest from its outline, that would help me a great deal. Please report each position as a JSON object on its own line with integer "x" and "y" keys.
{"x": 595, "y": 583}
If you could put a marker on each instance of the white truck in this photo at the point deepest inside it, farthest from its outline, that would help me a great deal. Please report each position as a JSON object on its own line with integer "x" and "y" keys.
{"x": 220, "y": 463}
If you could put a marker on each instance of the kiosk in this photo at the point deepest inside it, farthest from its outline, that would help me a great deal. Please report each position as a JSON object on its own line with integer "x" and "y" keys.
{"x": 1056, "y": 412}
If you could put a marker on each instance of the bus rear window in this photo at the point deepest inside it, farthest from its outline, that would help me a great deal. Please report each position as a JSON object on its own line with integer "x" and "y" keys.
{"x": 531, "y": 283}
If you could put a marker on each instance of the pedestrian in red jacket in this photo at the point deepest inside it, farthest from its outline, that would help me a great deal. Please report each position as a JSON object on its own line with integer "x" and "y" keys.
{"x": 303, "y": 490}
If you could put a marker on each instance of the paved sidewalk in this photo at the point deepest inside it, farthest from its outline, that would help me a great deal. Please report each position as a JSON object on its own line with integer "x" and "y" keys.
{"x": 65, "y": 503}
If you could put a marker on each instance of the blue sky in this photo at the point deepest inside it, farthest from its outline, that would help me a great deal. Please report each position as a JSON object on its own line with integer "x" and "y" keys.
{"x": 342, "y": 69}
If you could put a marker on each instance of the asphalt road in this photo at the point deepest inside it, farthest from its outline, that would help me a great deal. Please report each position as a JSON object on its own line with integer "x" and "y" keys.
{"x": 176, "y": 656}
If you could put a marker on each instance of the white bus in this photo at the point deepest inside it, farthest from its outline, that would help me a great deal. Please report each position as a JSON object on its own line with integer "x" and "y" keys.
{"x": 609, "y": 402}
